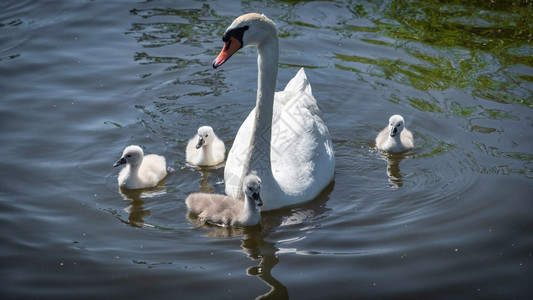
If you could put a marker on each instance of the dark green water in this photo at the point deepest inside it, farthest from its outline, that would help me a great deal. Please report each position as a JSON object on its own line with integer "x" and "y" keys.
{"x": 451, "y": 219}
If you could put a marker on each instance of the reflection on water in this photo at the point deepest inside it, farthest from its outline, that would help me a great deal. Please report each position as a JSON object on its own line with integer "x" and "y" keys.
{"x": 463, "y": 41}
{"x": 205, "y": 181}
{"x": 213, "y": 230}
{"x": 393, "y": 169}
{"x": 205, "y": 185}
{"x": 136, "y": 211}
{"x": 255, "y": 239}
{"x": 141, "y": 72}
{"x": 257, "y": 248}
{"x": 481, "y": 129}
{"x": 393, "y": 160}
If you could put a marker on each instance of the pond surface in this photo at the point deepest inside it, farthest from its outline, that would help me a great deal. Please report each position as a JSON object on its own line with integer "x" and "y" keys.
{"x": 451, "y": 219}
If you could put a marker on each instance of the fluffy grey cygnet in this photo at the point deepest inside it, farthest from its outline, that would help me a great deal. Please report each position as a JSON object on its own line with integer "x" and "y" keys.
{"x": 226, "y": 211}
{"x": 140, "y": 171}
{"x": 206, "y": 149}
{"x": 395, "y": 137}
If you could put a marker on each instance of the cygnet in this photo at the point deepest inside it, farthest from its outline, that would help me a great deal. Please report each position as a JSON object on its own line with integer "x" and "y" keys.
{"x": 140, "y": 171}
{"x": 224, "y": 210}
{"x": 206, "y": 149}
{"x": 395, "y": 137}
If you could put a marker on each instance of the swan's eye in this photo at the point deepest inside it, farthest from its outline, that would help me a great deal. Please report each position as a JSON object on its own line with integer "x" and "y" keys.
{"x": 206, "y": 135}
{"x": 129, "y": 155}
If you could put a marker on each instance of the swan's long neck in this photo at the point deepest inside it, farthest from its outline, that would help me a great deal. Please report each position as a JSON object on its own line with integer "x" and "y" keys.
{"x": 258, "y": 159}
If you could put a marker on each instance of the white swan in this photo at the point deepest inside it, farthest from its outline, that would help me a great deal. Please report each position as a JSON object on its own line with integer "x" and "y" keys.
{"x": 206, "y": 149}
{"x": 224, "y": 210}
{"x": 283, "y": 139}
{"x": 140, "y": 171}
{"x": 395, "y": 137}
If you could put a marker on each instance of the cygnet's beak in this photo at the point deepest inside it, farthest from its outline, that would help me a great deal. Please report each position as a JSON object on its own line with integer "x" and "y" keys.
{"x": 121, "y": 161}
{"x": 200, "y": 143}
{"x": 393, "y": 131}
{"x": 257, "y": 199}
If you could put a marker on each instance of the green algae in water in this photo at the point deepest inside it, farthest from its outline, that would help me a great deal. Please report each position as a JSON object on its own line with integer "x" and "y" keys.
{"x": 474, "y": 46}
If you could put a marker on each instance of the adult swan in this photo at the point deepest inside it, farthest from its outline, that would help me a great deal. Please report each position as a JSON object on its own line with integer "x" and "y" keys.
{"x": 283, "y": 140}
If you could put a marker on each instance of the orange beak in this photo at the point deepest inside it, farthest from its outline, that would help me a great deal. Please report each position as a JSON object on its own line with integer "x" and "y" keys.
{"x": 230, "y": 47}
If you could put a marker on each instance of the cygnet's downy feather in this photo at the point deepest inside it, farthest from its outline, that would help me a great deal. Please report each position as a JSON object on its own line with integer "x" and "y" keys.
{"x": 140, "y": 171}
{"x": 395, "y": 137}
{"x": 205, "y": 149}
{"x": 226, "y": 211}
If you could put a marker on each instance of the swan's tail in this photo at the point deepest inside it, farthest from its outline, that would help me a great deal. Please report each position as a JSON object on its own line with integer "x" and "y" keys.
{"x": 299, "y": 83}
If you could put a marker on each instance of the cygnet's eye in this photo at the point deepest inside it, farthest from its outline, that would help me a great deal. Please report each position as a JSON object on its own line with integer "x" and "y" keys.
{"x": 206, "y": 135}
{"x": 129, "y": 155}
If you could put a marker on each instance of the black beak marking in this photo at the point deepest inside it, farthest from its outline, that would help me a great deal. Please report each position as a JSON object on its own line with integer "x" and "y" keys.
{"x": 200, "y": 143}
{"x": 121, "y": 161}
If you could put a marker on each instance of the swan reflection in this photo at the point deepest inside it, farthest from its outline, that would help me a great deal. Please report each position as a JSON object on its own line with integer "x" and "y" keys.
{"x": 257, "y": 247}
{"x": 393, "y": 170}
{"x": 205, "y": 184}
{"x": 136, "y": 211}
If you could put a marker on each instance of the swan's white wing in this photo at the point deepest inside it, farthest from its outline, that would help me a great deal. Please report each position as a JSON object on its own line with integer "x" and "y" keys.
{"x": 302, "y": 155}
{"x": 299, "y": 83}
